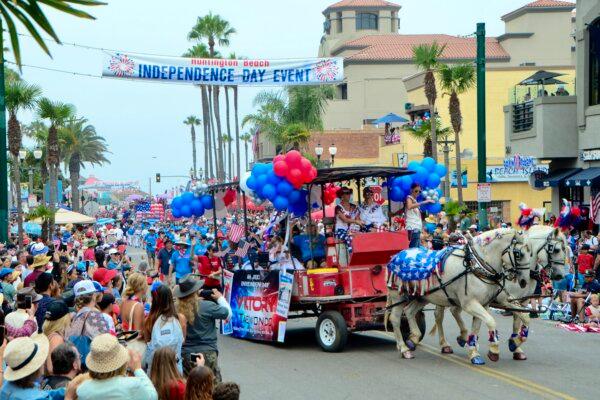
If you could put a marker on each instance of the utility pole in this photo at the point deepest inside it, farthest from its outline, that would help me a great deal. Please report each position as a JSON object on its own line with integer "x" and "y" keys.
{"x": 481, "y": 131}
{"x": 3, "y": 150}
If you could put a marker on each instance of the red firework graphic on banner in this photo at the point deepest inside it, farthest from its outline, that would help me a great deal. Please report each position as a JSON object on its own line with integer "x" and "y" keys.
{"x": 326, "y": 70}
{"x": 121, "y": 65}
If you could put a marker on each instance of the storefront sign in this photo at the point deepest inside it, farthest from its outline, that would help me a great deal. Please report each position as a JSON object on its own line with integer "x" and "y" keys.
{"x": 402, "y": 159}
{"x": 590, "y": 155}
{"x": 453, "y": 182}
{"x": 260, "y": 301}
{"x": 519, "y": 162}
{"x": 502, "y": 173}
{"x": 207, "y": 71}
{"x": 484, "y": 192}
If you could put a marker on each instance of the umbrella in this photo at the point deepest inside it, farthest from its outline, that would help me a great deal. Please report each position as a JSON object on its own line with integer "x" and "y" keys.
{"x": 389, "y": 118}
{"x": 329, "y": 213}
{"x": 542, "y": 78}
{"x": 31, "y": 228}
{"x": 134, "y": 197}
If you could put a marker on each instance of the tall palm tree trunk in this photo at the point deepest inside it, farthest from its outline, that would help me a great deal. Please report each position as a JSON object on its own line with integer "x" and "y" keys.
{"x": 215, "y": 163}
{"x": 246, "y": 152}
{"x": 237, "y": 132}
{"x": 230, "y": 156}
{"x": 17, "y": 184}
{"x": 456, "y": 120}
{"x": 431, "y": 94}
{"x": 207, "y": 141}
{"x": 217, "y": 111}
{"x": 194, "y": 151}
{"x": 74, "y": 167}
{"x": 44, "y": 175}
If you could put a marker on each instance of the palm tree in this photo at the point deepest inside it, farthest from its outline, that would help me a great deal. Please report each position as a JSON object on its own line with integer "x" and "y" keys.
{"x": 192, "y": 121}
{"x": 80, "y": 144}
{"x": 38, "y": 131}
{"x": 45, "y": 215}
{"x": 246, "y": 138}
{"x": 425, "y": 57}
{"x": 233, "y": 56}
{"x": 215, "y": 30}
{"x": 57, "y": 113}
{"x": 227, "y": 139}
{"x": 19, "y": 96}
{"x": 456, "y": 80}
{"x": 422, "y": 133}
{"x": 30, "y": 14}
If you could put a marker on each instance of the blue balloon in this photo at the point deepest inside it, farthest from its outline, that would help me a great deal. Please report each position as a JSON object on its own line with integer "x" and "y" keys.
{"x": 251, "y": 182}
{"x": 187, "y": 198}
{"x": 440, "y": 170}
{"x": 284, "y": 188}
{"x": 433, "y": 181}
{"x": 429, "y": 164}
{"x": 413, "y": 165}
{"x": 272, "y": 178}
{"x": 280, "y": 203}
{"x": 196, "y": 207}
{"x": 420, "y": 176}
{"x": 261, "y": 181}
{"x": 176, "y": 203}
{"x": 440, "y": 192}
{"x": 176, "y": 213}
{"x": 207, "y": 202}
{"x": 435, "y": 208}
{"x": 294, "y": 196}
{"x": 269, "y": 191}
{"x": 186, "y": 211}
{"x": 396, "y": 194}
{"x": 260, "y": 169}
{"x": 406, "y": 182}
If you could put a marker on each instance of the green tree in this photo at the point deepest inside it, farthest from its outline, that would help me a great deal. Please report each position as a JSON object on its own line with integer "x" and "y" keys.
{"x": 45, "y": 215}
{"x": 38, "y": 131}
{"x": 227, "y": 140}
{"x": 33, "y": 18}
{"x": 456, "y": 80}
{"x": 233, "y": 56}
{"x": 422, "y": 133}
{"x": 246, "y": 138}
{"x": 57, "y": 113}
{"x": 19, "y": 96}
{"x": 193, "y": 121}
{"x": 215, "y": 30}
{"x": 425, "y": 57}
{"x": 80, "y": 145}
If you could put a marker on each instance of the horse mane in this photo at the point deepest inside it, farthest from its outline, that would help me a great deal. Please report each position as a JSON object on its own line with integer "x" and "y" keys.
{"x": 487, "y": 237}
{"x": 542, "y": 232}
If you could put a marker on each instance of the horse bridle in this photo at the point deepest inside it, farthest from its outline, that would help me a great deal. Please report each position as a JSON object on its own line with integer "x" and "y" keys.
{"x": 515, "y": 255}
{"x": 550, "y": 247}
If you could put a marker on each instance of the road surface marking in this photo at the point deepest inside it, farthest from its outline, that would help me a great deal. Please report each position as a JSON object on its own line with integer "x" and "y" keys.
{"x": 521, "y": 383}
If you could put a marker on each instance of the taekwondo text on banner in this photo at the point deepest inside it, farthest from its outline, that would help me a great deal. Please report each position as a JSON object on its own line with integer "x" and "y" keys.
{"x": 206, "y": 71}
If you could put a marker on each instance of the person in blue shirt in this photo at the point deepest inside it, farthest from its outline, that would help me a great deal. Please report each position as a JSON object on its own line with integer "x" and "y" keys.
{"x": 201, "y": 247}
{"x": 311, "y": 244}
{"x": 182, "y": 262}
{"x": 150, "y": 245}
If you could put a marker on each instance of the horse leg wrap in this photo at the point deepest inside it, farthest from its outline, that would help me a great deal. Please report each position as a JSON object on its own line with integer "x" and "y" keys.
{"x": 475, "y": 357}
{"x": 493, "y": 336}
{"x": 524, "y": 333}
{"x": 472, "y": 341}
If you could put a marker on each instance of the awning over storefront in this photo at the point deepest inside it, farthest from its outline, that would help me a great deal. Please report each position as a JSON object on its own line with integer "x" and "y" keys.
{"x": 554, "y": 178}
{"x": 585, "y": 177}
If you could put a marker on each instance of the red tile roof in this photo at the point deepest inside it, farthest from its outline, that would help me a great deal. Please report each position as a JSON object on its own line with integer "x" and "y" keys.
{"x": 394, "y": 47}
{"x": 361, "y": 4}
{"x": 537, "y": 4}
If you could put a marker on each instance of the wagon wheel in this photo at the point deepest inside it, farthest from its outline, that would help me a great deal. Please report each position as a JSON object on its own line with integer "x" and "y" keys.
{"x": 331, "y": 331}
{"x": 405, "y": 329}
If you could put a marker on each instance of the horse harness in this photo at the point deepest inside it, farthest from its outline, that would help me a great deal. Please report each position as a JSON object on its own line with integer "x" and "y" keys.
{"x": 551, "y": 248}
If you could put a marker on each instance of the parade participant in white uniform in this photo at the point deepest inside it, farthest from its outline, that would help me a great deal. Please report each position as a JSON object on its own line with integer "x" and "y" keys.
{"x": 371, "y": 213}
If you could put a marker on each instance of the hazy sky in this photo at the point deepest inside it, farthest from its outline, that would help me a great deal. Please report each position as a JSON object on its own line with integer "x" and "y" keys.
{"x": 142, "y": 120}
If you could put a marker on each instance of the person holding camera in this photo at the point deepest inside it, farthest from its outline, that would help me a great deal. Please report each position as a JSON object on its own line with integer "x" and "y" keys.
{"x": 201, "y": 314}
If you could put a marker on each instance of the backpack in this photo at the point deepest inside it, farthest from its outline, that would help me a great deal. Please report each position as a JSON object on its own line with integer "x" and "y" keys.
{"x": 165, "y": 334}
{"x": 82, "y": 342}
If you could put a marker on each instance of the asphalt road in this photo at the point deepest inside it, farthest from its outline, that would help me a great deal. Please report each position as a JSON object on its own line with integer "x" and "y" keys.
{"x": 561, "y": 365}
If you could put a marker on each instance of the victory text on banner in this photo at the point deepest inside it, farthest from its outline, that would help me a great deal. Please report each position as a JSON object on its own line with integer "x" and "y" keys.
{"x": 208, "y": 71}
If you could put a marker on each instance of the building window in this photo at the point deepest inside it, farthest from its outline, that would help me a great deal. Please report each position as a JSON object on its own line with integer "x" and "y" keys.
{"x": 343, "y": 91}
{"x": 339, "y": 22}
{"x": 394, "y": 22}
{"x": 594, "y": 54}
{"x": 366, "y": 21}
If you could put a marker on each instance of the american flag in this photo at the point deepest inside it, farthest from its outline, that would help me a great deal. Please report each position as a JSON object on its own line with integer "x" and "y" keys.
{"x": 243, "y": 249}
{"x": 145, "y": 210}
{"x": 595, "y": 208}
{"x": 235, "y": 233}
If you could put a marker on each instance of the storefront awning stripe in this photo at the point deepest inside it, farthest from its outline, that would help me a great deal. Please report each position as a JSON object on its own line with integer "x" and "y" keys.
{"x": 585, "y": 177}
{"x": 555, "y": 178}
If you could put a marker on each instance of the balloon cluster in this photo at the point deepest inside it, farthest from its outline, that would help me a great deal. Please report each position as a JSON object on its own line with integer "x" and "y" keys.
{"x": 428, "y": 175}
{"x": 187, "y": 205}
{"x": 296, "y": 169}
{"x": 330, "y": 193}
{"x": 265, "y": 183}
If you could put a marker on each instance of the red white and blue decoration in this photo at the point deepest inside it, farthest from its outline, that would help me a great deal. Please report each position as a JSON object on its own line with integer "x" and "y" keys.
{"x": 418, "y": 265}
{"x": 191, "y": 205}
{"x": 428, "y": 175}
{"x": 145, "y": 210}
{"x": 569, "y": 216}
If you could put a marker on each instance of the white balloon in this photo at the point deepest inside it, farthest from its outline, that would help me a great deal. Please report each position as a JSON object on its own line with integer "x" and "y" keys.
{"x": 243, "y": 180}
{"x": 428, "y": 198}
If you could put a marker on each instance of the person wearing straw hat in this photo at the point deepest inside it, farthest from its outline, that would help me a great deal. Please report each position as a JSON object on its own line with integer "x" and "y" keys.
{"x": 25, "y": 358}
{"x": 108, "y": 362}
{"x": 40, "y": 262}
{"x": 181, "y": 260}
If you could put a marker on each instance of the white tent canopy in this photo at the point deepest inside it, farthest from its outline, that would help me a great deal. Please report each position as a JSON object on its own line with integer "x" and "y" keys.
{"x": 63, "y": 217}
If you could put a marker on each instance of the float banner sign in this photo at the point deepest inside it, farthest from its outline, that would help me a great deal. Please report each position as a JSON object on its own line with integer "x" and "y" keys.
{"x": 260, "y": 301}
{"x": 207, "y": 71}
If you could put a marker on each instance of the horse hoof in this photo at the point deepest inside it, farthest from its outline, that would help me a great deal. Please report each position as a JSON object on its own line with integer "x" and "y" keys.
{"x": 408, "y": 355}
{"x": 493, "y": 356}
{"x": 411, "y": 345}
{"x": 447, "y": 350}
{"x": 512, "y": 346}
{"x": 461, "y": 342}
{"x": 477, "y": 360}
{"x": 519, "y": 356}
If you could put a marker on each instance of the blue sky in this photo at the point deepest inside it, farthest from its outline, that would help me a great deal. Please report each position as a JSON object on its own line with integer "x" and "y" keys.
{"x": 143, "y": 120}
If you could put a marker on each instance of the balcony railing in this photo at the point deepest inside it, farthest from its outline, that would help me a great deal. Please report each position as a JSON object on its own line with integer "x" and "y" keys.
{"x": 522, "y": 116}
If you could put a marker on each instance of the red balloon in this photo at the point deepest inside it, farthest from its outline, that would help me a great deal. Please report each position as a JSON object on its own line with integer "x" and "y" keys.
{"x": 576, "y": 211}
{"x": 280, "y": 168}
{"x": 305, "y": 164}
{"x": 293, "y": 158}
{"x": 278, "y": 158}
{"x": 526, "y": 212}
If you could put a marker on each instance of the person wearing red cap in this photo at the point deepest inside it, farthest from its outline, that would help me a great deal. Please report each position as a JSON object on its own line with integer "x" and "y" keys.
{"x": 104, "y": 277}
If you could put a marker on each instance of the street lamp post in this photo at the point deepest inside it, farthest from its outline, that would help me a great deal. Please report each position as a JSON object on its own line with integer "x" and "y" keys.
{"x": 332, "y": 151}
{"x": 319, "y": 153}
